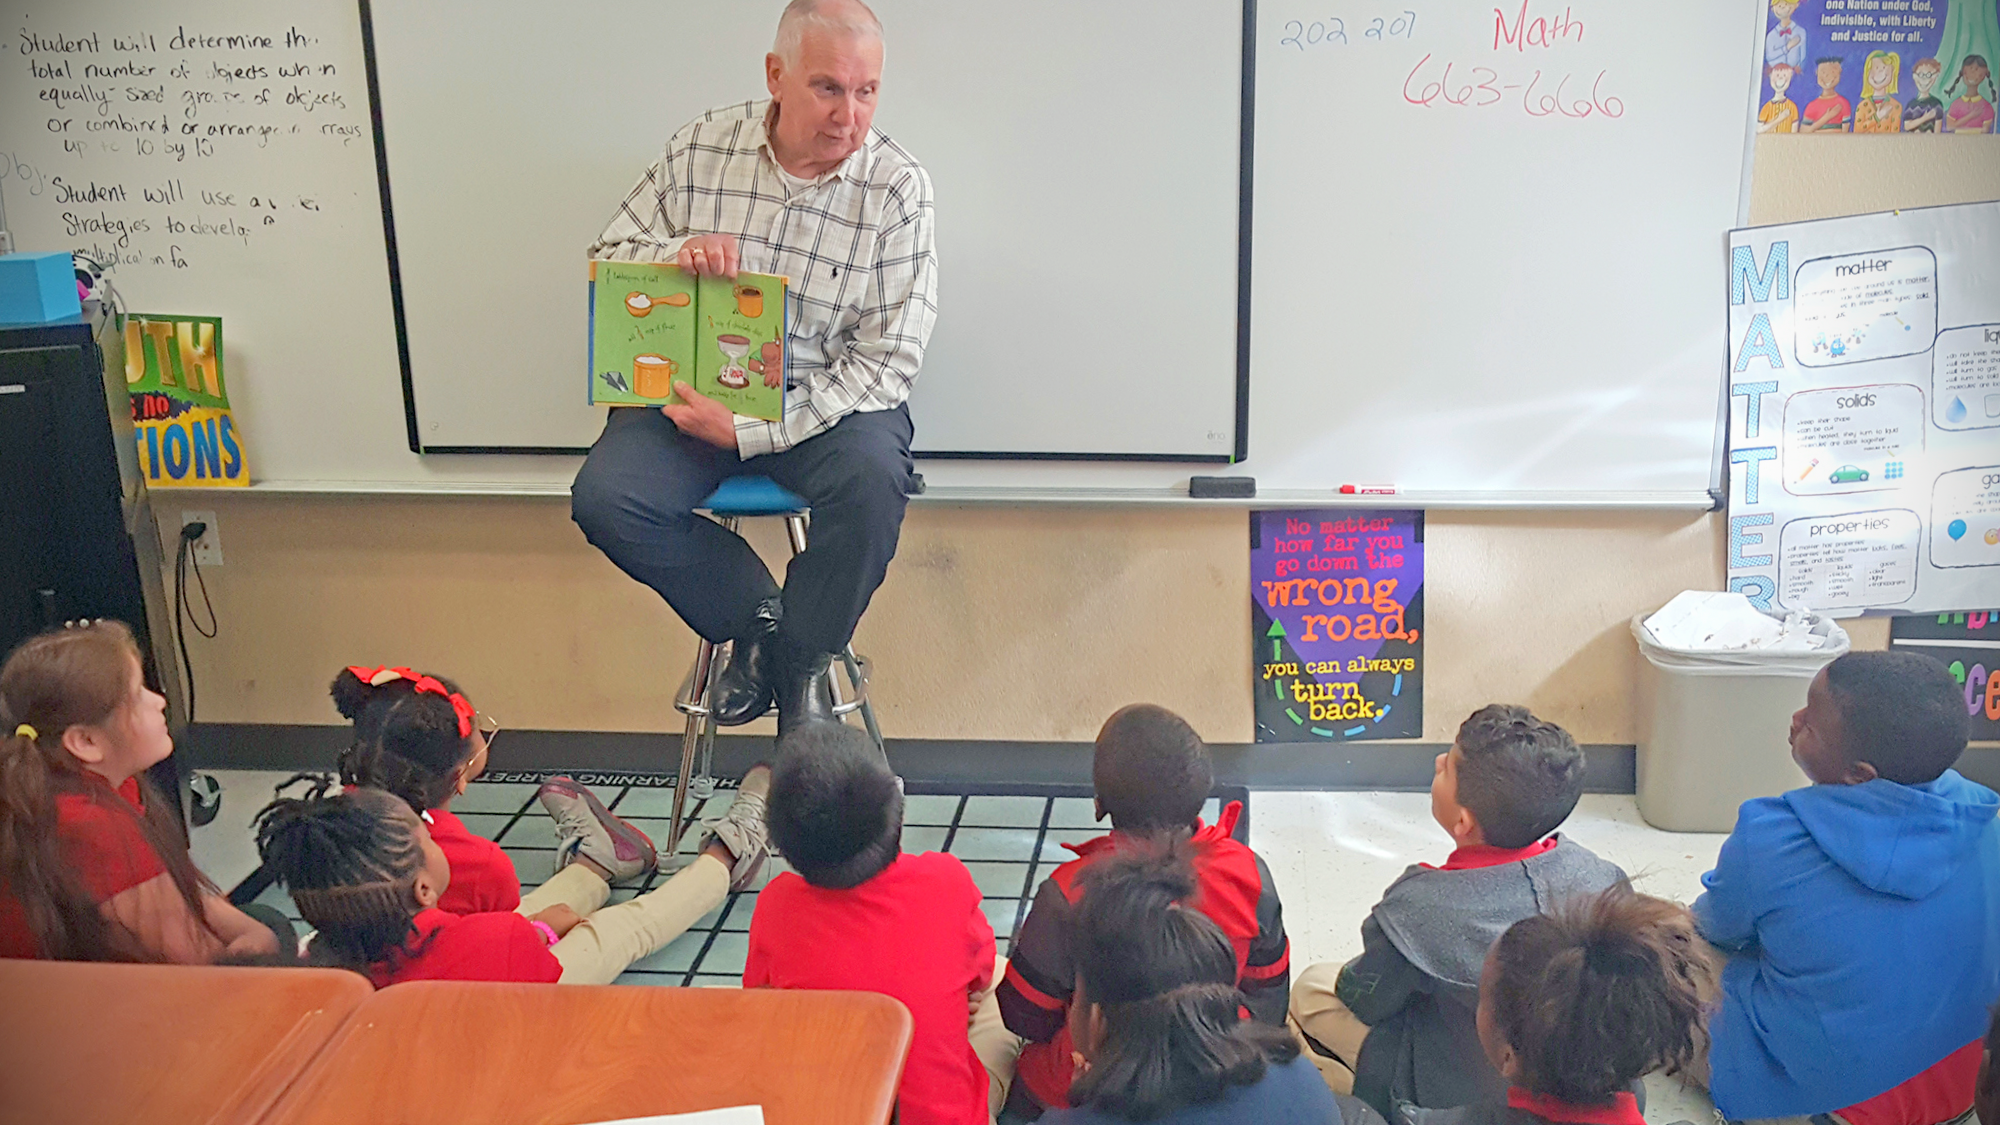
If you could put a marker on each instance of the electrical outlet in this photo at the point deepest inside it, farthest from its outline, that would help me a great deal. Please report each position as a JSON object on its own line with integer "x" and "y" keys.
{"x": 208, "y": 548}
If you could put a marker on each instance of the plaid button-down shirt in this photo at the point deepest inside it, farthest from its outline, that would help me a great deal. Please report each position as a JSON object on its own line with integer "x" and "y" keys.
{"x": 856, "y": 245}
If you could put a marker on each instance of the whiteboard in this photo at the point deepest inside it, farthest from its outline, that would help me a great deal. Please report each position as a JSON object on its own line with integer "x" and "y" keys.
{"x": 1485, "y": 346}
{"x": 236, "y": 192}
{"x": 1087, "y": 221}
{"x": 1486, "y": 279}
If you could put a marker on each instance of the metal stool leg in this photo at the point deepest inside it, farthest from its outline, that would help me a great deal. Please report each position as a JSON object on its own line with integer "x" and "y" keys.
{"x": 699, "y": 725}
{"x": 856, "y": 677}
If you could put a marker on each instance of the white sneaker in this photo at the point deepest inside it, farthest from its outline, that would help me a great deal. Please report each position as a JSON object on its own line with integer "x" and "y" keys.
{"x": 742, "y": 830}
{"x": 589, "y": 829}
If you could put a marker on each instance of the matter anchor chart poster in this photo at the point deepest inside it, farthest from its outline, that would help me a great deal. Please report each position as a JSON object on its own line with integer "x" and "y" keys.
{"x": 1864, "y": 382}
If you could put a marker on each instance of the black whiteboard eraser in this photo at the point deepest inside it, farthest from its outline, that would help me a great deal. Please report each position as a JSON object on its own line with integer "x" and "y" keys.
{"x": 1222, "y": 488}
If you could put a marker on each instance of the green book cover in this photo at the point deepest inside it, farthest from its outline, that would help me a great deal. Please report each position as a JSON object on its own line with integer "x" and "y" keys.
{"x": 652, "y": 325}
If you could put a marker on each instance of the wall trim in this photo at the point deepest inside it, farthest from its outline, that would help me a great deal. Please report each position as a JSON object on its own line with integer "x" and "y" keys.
{"x": 1364, "y": 766}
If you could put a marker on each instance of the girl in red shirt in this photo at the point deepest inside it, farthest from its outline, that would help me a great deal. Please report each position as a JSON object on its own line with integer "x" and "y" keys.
{"x": 418, "y": 737}
{"x": 364, "y": 871}
{"x": 92, "y": 864}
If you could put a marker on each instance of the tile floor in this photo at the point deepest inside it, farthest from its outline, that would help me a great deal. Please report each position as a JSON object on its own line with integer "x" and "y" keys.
{"x": 1331, "y": 854}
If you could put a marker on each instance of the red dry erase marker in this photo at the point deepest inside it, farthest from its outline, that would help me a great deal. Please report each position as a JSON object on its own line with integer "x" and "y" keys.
{"x": 1367, "y": 490}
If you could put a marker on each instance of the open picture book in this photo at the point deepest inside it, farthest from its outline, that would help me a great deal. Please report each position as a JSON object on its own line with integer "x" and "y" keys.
{"x": 652, "y": 325}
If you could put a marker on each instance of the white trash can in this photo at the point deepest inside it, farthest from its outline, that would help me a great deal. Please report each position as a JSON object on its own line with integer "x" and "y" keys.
{"x": 1714, "y": 727}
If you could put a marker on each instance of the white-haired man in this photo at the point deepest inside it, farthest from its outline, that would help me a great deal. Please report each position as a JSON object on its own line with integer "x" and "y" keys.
{"x": 799, "y": 185}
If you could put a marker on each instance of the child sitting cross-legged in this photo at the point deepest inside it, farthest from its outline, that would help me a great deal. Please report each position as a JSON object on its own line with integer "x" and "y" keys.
{"x": 1158, "y": 1021}
{"x": 364, "y": 871}
{"x": 1859, "y": 912}
{"x": 857, "y": 914}
{"x": 1152, "y": 773}
{"x": 1396, "y": 1023}
{"x": 1576, "y": 1005}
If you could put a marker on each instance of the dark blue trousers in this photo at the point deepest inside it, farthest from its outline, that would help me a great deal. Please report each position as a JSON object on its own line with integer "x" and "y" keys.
{"x": 635, "y": 498}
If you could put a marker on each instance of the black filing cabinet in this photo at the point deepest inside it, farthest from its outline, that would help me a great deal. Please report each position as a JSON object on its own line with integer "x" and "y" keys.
{"x": 77, "y": 535}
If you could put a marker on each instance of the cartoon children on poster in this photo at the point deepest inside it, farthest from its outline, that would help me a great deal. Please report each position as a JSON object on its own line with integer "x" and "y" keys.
{"x": 1780, "y": 114}
{"x": 1925, "y": 112}
{"x": 1878, "y": 111}
{"x": 1828, "y": 113}
{"x": 1972, "y": 110}
{"x": 1785, "y": 43}
{"x": 1855, "y": 53}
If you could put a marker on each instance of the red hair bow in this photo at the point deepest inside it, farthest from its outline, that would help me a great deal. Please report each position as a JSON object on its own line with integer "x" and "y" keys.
{"x": 382, "y": 674}
{"x": 459, "y": 706}
{"x": 376, "y": 677}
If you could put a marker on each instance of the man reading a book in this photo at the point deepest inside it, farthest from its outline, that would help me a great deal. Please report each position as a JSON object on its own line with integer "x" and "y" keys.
{"x": 801, "y": 186}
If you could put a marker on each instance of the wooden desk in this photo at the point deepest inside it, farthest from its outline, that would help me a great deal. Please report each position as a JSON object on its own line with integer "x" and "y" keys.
{"x": 512, "y": 1054}
{"x": 160, "y": 1043}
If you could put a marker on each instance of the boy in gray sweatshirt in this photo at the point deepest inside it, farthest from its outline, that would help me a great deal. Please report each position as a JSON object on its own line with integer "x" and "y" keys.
{"x": 1396, "y": 1024}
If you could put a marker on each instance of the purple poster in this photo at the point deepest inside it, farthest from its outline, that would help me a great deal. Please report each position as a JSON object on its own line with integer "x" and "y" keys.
{"x": 1879, "y": 66}
{"x": 1336, "y": 618}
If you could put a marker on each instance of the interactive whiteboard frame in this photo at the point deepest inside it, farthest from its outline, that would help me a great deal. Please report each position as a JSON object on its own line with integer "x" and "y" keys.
{"x": 1244, "y": 202}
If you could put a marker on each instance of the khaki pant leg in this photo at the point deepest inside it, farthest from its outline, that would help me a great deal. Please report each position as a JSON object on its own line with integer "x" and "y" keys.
{"x": 575, "y": 886}
{"x": 608, "y": 941}
{"x": 1317, "y": 1013}
{"x": 998, "y": 1048}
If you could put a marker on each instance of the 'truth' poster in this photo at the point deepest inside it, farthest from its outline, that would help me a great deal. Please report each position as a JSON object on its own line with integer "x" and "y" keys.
{"x": 1336, "y": 618}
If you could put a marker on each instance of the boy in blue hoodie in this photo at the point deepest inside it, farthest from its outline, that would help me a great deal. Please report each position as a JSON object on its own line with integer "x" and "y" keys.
{"x": 1860, "y": 912}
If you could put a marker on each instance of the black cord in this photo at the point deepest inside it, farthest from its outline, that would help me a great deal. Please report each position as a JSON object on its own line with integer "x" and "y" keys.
{"x": 183, "y": 610}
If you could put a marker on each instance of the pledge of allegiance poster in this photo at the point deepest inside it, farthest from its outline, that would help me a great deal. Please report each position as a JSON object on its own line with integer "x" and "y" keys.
{"x": 1879, "y": 66}
{"x": 1336, "y": 617}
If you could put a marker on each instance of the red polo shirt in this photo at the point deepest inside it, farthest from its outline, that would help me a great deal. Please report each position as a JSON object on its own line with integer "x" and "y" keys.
{"x": 495, "y": 947}
{"x": 483, "y": 879}
{"x": 99, "y": 836}
{"x": 914, "y": 932}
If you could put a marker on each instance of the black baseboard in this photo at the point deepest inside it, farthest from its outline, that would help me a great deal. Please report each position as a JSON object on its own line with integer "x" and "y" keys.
{"x": 1372, "y": 766}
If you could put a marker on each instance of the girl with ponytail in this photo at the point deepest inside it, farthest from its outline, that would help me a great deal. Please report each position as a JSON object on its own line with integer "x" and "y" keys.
{"x": 1160, "y": 1028}
{"x": 417, "y": 737}
{"x": 1576, "y": 1005}
{"x": 93, "y": 865}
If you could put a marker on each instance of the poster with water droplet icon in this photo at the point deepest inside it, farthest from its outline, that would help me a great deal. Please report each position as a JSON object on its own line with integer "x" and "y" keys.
{"x": 1864, "y": 422}
{"x": 1965, "y": 377}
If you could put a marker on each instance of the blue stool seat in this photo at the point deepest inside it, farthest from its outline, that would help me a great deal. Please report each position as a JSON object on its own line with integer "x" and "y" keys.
{"x": 753, "y": 496}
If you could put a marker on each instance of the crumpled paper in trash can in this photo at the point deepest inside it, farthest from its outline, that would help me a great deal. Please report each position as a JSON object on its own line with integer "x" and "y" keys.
{"x": 1714, "y": 621}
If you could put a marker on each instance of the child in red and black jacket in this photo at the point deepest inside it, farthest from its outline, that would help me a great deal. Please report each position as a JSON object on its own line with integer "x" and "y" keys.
{"x": 1152, "y": 774}
{"x": 1576, "y": 1005}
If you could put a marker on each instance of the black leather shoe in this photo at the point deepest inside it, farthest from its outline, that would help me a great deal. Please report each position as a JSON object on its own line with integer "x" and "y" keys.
{"x": 743, "y": 690}
{"x": 802, "y": 694}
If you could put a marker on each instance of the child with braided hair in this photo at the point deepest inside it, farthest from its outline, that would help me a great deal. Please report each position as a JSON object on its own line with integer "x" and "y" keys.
{"x": 364, "y": 871}
{"x": 418, "y": 737}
